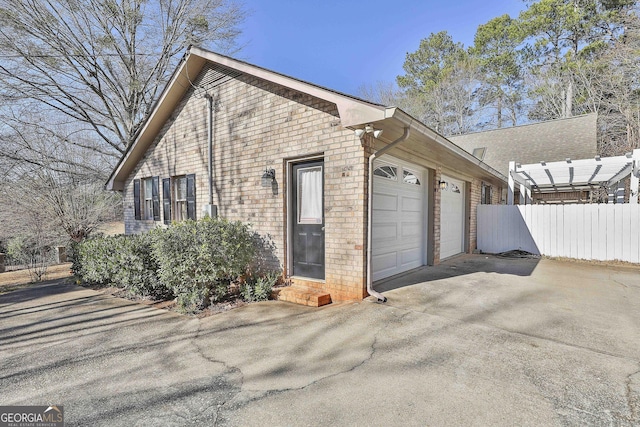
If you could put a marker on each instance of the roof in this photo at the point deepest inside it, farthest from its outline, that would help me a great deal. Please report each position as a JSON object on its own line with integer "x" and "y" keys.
{"x": 549, "y": 141}
{"x": 354, "y": 113}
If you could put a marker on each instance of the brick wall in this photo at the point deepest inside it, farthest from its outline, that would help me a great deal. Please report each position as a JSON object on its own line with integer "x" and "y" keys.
{"x": 474, "y": 200}
{"x": 260, "y": 125}
{"x": 436, "y": 212}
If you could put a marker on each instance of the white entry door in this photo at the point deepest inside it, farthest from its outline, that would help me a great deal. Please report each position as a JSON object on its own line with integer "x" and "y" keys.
{"x": 399, "y": 238}
{"x": 452, "y": 223}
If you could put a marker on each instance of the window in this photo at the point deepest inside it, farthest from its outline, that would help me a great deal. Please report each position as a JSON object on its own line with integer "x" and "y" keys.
{"x": 387, "y": 171}
{"x": 409, "y": 177}
{"x": 184, "y": 197}
{"x": 310, "y": 195}
{"x": 178, "y": 198}
{"x": 485, "y": 198}
{"x": 146, "y": 198}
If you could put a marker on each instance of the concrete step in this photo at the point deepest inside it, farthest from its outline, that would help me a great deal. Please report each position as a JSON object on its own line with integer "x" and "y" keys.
{"x": 303, "y": 296}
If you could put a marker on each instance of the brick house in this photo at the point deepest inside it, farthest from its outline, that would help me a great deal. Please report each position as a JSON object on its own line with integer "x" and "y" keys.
{"x": 294, "y": 160}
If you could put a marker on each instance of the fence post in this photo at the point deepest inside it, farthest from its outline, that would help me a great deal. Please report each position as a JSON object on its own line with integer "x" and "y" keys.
{"x": 2, "y": 268}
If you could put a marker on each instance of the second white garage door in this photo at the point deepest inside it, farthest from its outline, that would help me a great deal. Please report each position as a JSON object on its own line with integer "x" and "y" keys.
{"x": 399, "y": 237}
{"x": 452, "y": 217}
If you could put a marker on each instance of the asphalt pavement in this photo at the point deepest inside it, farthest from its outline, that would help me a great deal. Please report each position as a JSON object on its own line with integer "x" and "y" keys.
{"x": 476, "y": 341}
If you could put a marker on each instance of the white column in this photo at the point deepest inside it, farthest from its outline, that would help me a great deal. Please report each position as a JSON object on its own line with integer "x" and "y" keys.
{"x": 523, "y": 194}
{"x": 635, "y": 171}
{"x": 511, "y": 191}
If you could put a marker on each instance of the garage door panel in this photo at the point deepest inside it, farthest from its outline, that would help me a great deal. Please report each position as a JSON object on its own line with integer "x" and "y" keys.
{"x": 411, "y": 258}
{"x": 386, "y": 232}
{"x": 411, "y": 230}
{"x": 412, "y": 204}
{"x": 385, "y": 261}
{"x": 385, "y": 202}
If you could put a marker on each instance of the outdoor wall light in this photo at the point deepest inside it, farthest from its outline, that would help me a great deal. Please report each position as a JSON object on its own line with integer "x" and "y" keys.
{"x": 377, "y": 133}
{"x": 443, "y": 185}
{"x": 268, "y": 177}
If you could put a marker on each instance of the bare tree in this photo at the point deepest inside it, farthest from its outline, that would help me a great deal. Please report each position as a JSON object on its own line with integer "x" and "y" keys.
{"x": 98, "y": 66}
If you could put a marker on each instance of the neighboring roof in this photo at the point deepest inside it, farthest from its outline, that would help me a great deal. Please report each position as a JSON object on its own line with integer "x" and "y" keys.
{"x": 353, "y": 111}
{"x": 553, "y": 140}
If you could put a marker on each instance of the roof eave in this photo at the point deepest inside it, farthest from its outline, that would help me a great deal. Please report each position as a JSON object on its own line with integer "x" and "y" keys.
{"x": 483, "y": 168}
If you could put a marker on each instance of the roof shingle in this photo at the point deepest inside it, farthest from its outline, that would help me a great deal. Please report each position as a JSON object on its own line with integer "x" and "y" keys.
{"x": 549, "y": 141}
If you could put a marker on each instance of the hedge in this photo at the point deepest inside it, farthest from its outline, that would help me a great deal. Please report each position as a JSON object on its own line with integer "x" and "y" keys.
{"x": 194, "y": 261}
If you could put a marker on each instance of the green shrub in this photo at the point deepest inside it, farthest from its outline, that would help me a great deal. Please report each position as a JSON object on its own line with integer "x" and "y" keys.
{"x": 93, "y": 260}
{"x": 122, "y": 261}
{"x": 198, "y": 260}
{"x": 137, "y": 267}
{"x": 258, "y": 289}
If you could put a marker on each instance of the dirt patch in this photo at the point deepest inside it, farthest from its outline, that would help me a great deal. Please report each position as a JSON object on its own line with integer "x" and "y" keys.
{"x": 22, "y": 277}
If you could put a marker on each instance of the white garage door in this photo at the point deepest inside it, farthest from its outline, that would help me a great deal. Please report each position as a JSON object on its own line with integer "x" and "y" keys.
{"x": 399, "y": 237}
{"x": 451, "y": 217}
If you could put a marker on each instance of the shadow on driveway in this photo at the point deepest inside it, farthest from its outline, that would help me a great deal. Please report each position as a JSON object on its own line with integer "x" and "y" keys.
{"x": 459, "y": 266}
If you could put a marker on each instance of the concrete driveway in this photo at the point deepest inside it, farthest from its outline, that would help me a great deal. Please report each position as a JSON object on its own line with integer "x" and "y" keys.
{"x": 475, "y": 341}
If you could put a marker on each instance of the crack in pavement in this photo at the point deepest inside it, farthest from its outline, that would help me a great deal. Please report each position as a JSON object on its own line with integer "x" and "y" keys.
{"x": 633, "y": 401}
{"x": 248, "y": 396}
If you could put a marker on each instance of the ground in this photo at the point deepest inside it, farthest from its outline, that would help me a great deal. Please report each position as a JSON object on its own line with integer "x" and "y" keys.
{"x": 18, "y": 278}
{"x": 478, "y": 340}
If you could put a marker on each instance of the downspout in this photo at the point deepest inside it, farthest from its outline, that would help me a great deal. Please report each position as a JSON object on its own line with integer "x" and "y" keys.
{"x": 372, "y": 157}
{"x": 210, "y": 145}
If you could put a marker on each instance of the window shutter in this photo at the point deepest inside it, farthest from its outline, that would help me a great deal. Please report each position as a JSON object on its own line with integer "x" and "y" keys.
{"x": 155, "y": 189}
{"x": 166, "y": 200}
{"x": 191, "y": 196}
{"x": 136, "y": 199}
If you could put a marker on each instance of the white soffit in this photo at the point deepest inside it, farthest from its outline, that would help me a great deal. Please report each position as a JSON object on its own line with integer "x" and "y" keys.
{"x": 575, "y": 174}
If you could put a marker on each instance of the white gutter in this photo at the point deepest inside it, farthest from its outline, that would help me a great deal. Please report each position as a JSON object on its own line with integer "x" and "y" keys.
{"x": 372, "y": 157}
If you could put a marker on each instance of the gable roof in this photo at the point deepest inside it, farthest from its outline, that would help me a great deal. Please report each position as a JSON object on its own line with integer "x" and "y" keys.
{"x": 354, "y": 112}
{"x": 553, "y": 140}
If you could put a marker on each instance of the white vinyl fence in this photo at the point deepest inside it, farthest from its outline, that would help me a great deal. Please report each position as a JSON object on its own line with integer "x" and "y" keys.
{"x": 593, "y": 232}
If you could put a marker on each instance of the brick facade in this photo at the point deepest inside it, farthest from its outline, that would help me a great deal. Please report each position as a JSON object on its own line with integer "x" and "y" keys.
{"x": 260, "y": 125}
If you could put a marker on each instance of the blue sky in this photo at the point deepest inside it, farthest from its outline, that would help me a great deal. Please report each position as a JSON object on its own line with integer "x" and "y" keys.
{"x": 342, "y": 44}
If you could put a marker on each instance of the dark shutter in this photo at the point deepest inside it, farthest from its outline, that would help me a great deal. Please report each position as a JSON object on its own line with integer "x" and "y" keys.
{"x": 136, "y": 199}
{"x": 166, "y": 200}
{"x": 155, "y": 195}
{"x": 191, "y": 196}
